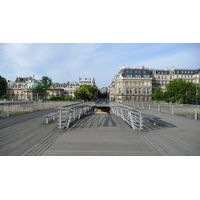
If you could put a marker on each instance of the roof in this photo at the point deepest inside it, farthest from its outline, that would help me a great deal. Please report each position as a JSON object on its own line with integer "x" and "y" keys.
{"x": 33, "y": 84}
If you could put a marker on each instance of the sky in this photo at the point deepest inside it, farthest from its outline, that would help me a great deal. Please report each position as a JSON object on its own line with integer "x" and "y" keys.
{"x": 64, "y": 62}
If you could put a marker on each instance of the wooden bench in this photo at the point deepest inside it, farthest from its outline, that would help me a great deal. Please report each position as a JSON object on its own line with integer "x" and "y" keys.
{"x": 151, "y": 117}
{"x": 50, "y": 115}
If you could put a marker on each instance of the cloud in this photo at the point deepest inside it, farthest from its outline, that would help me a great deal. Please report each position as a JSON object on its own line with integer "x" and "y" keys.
{"x": 67, "y": 61}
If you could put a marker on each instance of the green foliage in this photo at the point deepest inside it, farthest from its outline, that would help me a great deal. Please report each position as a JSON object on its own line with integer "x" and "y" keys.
{"x": 67, "y": 98}
{"x": 85, "y": 92}
{"x": 179, "y": 91}
{"x": 54, "y": 98}
{"x": 158, "y": 94}
{"x": 44, "y": 84}
{"x": 102, "y": 95}
{"x": 3, "y": 86}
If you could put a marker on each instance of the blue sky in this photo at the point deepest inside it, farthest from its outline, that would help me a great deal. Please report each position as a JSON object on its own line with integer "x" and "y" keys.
{"x": 68, "y": 61}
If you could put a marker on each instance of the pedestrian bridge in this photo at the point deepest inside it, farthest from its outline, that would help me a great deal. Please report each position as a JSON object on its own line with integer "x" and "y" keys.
{"x": 131, "y": 115}
{"x": 86, "y": 132}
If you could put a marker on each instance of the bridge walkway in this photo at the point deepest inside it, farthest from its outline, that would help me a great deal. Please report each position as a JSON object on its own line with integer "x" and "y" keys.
{"x": 109, "y": 135}
{"x": 99, "y": 135}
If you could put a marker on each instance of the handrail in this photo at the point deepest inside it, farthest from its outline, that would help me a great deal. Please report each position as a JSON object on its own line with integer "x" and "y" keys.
{"x": 132, "y": 117}
{"x": 68, "y": 115}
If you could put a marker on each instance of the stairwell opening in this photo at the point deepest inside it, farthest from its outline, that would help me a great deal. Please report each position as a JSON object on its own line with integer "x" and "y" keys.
{"x": 102, "y": 110}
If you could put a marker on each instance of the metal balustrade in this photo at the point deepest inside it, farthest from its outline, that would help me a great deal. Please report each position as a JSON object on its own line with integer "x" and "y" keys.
{"x": 132, "y": 116}
{"x": 69, "y": 115}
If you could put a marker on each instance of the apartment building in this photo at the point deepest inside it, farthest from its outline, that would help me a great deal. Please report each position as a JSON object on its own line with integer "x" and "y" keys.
{"x": 138, "y": 84}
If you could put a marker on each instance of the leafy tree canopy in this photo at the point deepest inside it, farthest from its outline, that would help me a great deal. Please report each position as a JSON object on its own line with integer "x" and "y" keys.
{"x": 44, "y": 84}
{"x": 85, "y": 92}
{"x": 3, "y": 86}
{"x": 179, "y": 91}
{"x": 158, "y": 94}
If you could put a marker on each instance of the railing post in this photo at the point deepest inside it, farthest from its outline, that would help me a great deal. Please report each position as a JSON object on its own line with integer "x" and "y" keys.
{"x": 131, "y": 119}
{"x": 172, "y": 109}
{"x": 195, "y": 113}
{"x": 122, "y": 114}
{"x": 149, "y": 106}
{"x": 8, "y": 110}
{"x": 158, "y": 107}
{"x": 30, "y": 107}
{"x": 60, "y": 119}
{"x": 141, "y": 120}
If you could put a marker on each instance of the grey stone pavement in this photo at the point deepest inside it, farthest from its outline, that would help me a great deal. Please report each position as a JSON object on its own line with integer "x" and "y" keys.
{"x": 108, "y": 135}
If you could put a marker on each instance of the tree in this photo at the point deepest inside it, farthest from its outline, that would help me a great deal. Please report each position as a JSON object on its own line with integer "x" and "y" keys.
{"x": 180, "y": 91}
{"x": 85, "y": 92}
{"x": 3, "y": 86}
{"x": 44, "y": 85}
{"x": 158, "y": 94}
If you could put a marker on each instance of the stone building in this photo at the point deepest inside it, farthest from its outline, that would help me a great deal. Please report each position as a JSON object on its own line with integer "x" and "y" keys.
{"x": 138, "y": 84}
{"x": 87, "y": 81}
{"x": 24, "y": 88}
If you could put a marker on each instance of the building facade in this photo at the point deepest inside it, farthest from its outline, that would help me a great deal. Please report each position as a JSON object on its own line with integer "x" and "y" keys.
{"x": 87, "y": 81}
{"x": 138, "y": 84}
{"x": 25, "y": 88}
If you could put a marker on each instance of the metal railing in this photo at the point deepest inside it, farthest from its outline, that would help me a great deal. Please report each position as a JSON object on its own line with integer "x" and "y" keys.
{"x": 70, "y": 114}
{"x": 186, "y": 110}
{"x": 131, "y": 115}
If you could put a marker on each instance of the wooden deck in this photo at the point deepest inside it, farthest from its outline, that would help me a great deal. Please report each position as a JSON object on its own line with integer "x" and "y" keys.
{"x": 99, "y": 135}
{"x": 107, "y": 135}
